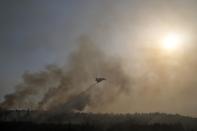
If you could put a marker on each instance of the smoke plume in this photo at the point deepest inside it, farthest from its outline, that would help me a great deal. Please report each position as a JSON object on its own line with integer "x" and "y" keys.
{"x": 72, "y": 87}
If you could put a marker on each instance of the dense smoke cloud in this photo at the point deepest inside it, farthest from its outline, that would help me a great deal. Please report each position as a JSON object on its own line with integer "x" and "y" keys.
{"x": 30, "y": 91}
{"x": 60, "y": 88}
{"x": 126, "y": 50}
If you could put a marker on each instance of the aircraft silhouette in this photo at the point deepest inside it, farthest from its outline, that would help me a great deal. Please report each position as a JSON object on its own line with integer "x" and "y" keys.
{"x": 99, "y": 79}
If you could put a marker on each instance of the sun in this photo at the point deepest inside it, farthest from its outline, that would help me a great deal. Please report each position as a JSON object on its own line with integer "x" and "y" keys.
{"x": 172, "y": 41}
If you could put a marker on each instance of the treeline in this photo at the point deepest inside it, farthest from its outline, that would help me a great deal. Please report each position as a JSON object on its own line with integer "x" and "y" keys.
{"x": 29, "y": 126}
{"x": 43, "y": 120}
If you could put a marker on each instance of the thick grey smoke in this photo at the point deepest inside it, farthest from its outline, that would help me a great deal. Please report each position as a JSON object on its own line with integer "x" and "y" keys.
{"x": 72, "y": 87}
{"x": 30, "y": 91}
{"x": 132, "y": 30}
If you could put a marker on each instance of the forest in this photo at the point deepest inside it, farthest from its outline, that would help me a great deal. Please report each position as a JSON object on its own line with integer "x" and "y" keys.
{"x": 42, "y": 120}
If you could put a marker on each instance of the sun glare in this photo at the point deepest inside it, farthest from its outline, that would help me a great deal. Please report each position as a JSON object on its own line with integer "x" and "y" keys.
{"x": 172, "y": 41}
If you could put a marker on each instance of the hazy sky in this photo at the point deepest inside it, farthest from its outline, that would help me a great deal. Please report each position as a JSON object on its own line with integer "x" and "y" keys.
{"x": 36, "y": 33}
{"x": 33, "y": 34}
